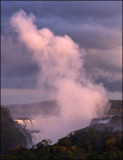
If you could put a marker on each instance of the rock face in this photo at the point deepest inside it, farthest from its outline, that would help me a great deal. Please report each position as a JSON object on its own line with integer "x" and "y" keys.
{"x": 116, "y": 107}
{"x": 26, "y": 134}
{"x": 114, "y": 123}
{"x": 113, "y": 118}
{"x": 24, "y": 115}
{"x": 11, "y": 136}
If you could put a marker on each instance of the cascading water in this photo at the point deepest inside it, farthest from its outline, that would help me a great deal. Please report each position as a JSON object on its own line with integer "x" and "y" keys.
{"x": 36, "y": 135}
{"x": 24, "y": 123}
{"x": 30, "y": 125}
{"x": 27, "y": 124}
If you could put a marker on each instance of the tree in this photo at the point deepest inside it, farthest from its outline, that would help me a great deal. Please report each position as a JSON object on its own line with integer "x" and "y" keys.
{"x": 110, "y": 142}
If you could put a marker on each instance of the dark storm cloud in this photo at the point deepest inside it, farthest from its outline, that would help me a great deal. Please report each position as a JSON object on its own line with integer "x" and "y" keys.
{"x": 19, "y": 82}
{"x": 72, "y": 11}
{"x": 115, "y": 86}
{"x": 70, "y": 18}
{"x": 90, "y": 36}
{"x": 18, "y": 70}
{"x": 93, "y": 25}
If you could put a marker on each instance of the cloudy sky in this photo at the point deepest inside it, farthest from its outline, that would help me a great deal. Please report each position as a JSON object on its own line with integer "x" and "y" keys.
{"x": 94, "y": 26}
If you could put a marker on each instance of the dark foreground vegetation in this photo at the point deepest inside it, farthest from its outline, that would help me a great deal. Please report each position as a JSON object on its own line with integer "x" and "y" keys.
{"x": 11, "y": 133}
{"x": 84, "y": 144}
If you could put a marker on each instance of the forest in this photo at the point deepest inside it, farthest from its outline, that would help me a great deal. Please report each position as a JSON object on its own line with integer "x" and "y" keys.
{"x": 84, "y": 144}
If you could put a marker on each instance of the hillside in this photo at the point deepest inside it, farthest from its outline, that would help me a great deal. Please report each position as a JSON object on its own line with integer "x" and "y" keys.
{"x": 11, "y": 136}
{"x": 84, "y": 144}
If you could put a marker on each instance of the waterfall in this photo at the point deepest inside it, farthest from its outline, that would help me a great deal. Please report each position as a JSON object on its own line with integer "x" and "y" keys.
{"x": 27, "y": 123}
{"x": 35, "y": 137}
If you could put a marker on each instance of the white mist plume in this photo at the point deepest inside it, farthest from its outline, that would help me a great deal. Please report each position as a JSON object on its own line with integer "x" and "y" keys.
{"x": 61, "y": 62}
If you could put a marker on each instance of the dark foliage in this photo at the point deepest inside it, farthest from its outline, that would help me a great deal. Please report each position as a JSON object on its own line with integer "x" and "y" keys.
{"x": 84, "y": 144}
{"x": 10, "y": 134}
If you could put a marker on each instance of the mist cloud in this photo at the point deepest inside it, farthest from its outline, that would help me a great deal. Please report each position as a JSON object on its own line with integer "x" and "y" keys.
{"x": 61, "y": 61}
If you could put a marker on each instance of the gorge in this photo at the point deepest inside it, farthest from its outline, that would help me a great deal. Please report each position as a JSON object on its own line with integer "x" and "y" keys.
{"x": 26, "y": 116}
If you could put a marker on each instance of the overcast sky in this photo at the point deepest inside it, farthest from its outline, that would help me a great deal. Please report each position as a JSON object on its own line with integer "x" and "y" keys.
{"x": 95, "y": 26}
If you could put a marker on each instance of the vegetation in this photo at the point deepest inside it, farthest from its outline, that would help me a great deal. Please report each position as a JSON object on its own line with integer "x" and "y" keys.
{"x": 84, "y": 144}
{"x": 10, "y": 134}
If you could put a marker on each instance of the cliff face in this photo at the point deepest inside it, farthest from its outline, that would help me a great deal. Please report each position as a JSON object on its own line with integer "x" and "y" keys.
{"x": 25, "y": 114}
{"x": 116, "y": 107}
{"x": 112, "y": 120}
{"x": 45, "y": 108}
{"x": 11, "y": 136}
